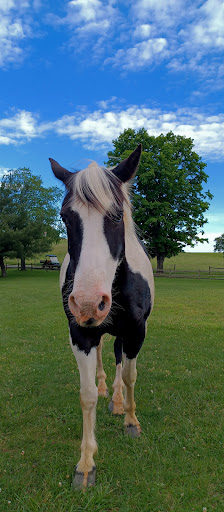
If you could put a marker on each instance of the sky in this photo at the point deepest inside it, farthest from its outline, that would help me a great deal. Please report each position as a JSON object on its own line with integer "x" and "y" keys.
{"x": 75, "y": 74}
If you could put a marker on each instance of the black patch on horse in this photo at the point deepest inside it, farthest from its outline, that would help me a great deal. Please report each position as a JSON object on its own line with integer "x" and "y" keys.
{"x": 114, "y": 233}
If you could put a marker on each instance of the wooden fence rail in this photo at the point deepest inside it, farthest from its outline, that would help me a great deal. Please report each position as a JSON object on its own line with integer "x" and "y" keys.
{"x": 31, "y": 266}
{"x": 211, "y": 273}
{"x": 215, "y": 268}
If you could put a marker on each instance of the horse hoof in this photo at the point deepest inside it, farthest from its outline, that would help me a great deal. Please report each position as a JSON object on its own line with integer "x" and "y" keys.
{"x": 133, "y": 430}
{"x": 103, "y": 392}
{"x": 116, "y": 408}
{"x": 82, "y": 480}
{"x": 111, "y": 406}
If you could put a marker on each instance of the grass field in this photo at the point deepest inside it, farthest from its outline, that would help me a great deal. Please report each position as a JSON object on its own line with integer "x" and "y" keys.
{"x": 176, "y": 465}
{"x": 183, "y": 261}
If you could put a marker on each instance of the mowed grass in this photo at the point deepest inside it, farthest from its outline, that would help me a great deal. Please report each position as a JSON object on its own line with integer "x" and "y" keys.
{"x": 176, "y": 465}
{"x": 183, "y": 261}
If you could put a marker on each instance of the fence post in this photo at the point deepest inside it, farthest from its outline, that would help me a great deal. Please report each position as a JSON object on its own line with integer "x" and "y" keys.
{"x": 18, "y": 265}
{"x": 209, "y": 269}
{"x": 31, "y": 266}
{"x": 199, "y": 275}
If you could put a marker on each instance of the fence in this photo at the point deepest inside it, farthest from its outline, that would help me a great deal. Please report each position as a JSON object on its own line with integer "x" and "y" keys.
{"x": 211, "y": 273}
{"x": 32, "y": 266}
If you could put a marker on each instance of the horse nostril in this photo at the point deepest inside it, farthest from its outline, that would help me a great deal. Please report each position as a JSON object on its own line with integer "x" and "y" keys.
{"x": 101, "y": 305}
{"x": 90, "y": 321}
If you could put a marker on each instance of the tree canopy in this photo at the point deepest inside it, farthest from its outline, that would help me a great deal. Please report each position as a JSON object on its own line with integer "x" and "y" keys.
{"x": 168, "y": 197}
{"x": 219, "y": 244}
{"x": 29, "y": 221}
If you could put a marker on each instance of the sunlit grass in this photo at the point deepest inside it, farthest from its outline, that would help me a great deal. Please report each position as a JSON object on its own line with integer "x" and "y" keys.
{"x": 176, "y": 465}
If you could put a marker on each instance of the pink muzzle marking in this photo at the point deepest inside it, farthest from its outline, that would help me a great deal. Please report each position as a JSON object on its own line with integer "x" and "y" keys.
{"x": 89, "y": 312}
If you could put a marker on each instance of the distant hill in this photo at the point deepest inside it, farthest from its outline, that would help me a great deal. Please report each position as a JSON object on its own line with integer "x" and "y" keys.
{"x": 184, "y": 261}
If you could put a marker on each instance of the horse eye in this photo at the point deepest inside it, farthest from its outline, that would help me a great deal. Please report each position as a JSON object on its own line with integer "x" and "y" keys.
{"x": 64, "y": 220}
{"x": 117, "y": 218}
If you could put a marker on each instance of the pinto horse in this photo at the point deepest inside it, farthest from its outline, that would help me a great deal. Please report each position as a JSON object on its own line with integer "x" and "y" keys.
{"x": 107, "y": 286}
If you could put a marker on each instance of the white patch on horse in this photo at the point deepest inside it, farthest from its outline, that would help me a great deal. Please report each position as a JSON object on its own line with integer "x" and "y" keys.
{"x": 88, "y": 399}
{"x": 63, "y": 270}
{"x": 96, "y": 267}
{"x": 87, "y": 368}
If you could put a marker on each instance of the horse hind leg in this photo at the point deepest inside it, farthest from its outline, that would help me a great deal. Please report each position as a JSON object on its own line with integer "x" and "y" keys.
{"x": 129, "y": 375}
{"x": 101, "y": 375}
{"x": 116, "y": 405}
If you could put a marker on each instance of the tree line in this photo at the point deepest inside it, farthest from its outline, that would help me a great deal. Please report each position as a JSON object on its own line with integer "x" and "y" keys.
{"x": 168, "y": 198}
{"x": 29, "y": 216}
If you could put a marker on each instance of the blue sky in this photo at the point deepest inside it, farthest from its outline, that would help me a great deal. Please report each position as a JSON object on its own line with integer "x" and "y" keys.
{"x": 75, "y": 74}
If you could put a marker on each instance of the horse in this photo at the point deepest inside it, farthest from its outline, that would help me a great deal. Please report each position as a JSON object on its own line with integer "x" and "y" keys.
{"x": 107, "y": 286}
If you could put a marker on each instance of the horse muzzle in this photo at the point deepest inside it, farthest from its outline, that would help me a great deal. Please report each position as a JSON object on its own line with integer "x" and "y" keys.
{"x": 89, "y": 313}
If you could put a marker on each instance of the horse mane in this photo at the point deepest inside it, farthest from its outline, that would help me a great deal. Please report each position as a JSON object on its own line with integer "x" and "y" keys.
{"x": 99, "y": 187}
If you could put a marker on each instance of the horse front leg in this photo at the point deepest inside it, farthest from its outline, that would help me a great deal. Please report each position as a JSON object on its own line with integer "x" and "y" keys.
{"x": 101, "y": 375}
{"x": 85, "y": 471}
{"x": 129, "y": 375}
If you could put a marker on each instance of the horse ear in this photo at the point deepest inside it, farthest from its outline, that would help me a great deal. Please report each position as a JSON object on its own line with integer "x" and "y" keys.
{"x": 126, "y": 170}
{"x": 60, "y": 172}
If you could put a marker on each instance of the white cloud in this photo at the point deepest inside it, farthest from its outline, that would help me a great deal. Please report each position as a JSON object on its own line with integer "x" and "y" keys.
{"x": 142, "y": 54}
{"x": 100, "y": 127}
{"x": 6, "y": 5}
{"x": 104, "y": 104}
{"x": 92, "y": 16}
{"x": 15, "y": 26}
{"x": 163, "y": 13}
{"x": 3, "y": 171}
{"x": 192, "y": 29}
{"x": 201, "y": 42}
{"x": 181, "y": 30}
{"x": 143, "y": 31}
{"x": 18, "y": 128}
{"x": 208, "y": 31}
{"x": 90, "y": 27}
{"x": 84, "y": 10}
{"x": 206, "y": 246}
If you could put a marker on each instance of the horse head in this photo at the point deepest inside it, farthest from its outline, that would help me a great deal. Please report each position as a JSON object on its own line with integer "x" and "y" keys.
{"x": 93, "y": 214}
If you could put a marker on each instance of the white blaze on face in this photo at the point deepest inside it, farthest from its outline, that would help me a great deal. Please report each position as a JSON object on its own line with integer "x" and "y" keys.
{"x": 95, "y": 271}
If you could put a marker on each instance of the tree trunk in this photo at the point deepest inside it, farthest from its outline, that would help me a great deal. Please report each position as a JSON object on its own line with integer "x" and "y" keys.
{"x": 160, "y": 260}
{"x": 3, "y": 269}
{"x": 23, "y": 264}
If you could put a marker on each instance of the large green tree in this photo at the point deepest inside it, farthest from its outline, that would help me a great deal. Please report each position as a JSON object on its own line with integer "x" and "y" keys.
{"x": 169, "y": 201}
{"x": 219, "y": 244}
{"x": 29, "y": 221}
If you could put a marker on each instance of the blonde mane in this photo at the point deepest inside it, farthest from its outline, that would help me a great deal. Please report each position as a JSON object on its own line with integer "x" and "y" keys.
{"x": 99, "y": 187}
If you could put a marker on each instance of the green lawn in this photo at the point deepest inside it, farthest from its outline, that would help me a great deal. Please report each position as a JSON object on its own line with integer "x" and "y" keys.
{"x": 176, "y": 465}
